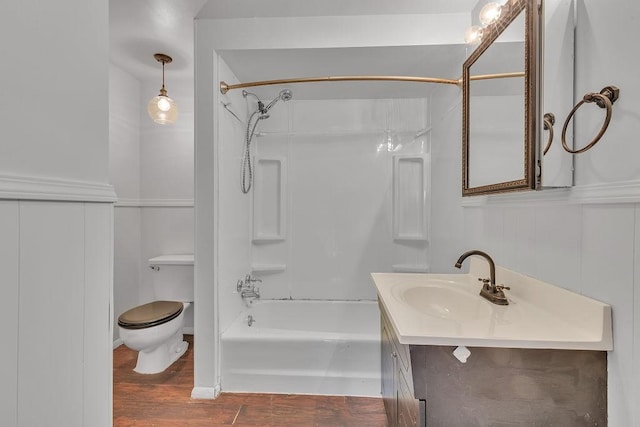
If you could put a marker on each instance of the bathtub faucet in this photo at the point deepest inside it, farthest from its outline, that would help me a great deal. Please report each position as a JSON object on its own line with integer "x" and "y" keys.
{"x": 248, "y": 289}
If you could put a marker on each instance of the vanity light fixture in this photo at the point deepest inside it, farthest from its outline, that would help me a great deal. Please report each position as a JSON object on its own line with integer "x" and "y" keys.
{"x": 161, "y": 108}
{"x": 489, "y": 14}
{"x": 473, "y": 35}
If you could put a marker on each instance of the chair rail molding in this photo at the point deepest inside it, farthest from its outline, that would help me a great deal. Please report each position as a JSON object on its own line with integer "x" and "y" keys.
{"x": 604, "y": 193}
{"x": 22, "y": 187}
{"x": 154, "y": 203}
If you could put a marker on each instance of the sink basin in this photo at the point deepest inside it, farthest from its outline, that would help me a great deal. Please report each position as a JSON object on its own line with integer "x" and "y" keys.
{"x": 443, "y": 299}
{"x": 447, "y": 310}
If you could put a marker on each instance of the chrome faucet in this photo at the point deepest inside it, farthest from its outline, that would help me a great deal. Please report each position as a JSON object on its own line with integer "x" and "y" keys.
{"x": 248, "y": 289}
{"x": 489, "y": 291}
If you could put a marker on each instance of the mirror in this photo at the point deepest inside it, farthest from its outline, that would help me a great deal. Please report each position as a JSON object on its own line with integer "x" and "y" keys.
{"x": 558, "y": 29}
{"x": 500, "y": 104}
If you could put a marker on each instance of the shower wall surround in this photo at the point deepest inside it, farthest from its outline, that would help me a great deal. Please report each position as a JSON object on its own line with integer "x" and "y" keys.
{"x": 321, "y": 214}
{"x": 341, "y": 190}
{"x": 233, "y": 206}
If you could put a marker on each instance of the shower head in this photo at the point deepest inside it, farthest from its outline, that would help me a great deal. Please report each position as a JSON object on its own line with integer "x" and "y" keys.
{"x": 285, "y": 95}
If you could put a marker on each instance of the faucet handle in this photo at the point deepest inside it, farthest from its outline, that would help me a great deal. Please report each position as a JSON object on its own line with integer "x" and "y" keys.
{"x": 484, "y": 281}
{"x": 502, "y": 287}
{"x": 250, "y": 279}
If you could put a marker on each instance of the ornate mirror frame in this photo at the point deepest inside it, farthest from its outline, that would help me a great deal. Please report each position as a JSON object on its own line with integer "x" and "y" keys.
{"x": 532, "y": 42}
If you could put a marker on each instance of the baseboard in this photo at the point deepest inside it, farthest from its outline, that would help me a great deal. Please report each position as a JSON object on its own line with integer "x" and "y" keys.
{"x": 205, "y": 392}
{"x": 187, "y": 330}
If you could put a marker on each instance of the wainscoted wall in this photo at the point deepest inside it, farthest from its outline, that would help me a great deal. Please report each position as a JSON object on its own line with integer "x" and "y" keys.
{"x": 56, "y": 273}
{"x": 56, "y": 216}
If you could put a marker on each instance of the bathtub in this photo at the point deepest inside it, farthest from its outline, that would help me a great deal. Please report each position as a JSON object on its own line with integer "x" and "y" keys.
{"x": 314, "y": 347}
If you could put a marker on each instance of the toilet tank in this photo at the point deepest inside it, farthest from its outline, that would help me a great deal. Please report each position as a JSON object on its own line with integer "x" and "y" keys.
{"x": 173, "y": 277}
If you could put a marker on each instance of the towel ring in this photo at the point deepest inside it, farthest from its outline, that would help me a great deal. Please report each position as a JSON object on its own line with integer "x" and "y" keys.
{"x": 549, "y": 119}
{"x": 604, "y": 99}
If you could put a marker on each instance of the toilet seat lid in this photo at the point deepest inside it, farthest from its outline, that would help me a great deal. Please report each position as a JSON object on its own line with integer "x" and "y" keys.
{"x": 150, "y": 314}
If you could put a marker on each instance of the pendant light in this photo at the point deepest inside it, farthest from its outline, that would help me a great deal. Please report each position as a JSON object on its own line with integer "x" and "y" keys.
{"x": 161, "y": 108}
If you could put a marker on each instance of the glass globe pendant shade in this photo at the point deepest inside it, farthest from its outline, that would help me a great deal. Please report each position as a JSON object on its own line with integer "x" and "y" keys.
{"x": 162, "y": 109}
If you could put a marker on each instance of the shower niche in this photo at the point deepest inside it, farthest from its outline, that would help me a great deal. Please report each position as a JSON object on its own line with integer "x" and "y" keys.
{"x": 410, "y": 205}
{"x": 269, "y": 209}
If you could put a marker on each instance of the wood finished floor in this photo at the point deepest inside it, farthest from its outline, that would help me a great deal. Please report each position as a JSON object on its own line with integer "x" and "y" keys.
{"x": 164, "y": 400}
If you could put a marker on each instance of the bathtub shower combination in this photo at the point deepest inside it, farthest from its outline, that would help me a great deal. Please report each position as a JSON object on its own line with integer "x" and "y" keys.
{"x": 314, "y": 347}
{"x": 332, "y": 190}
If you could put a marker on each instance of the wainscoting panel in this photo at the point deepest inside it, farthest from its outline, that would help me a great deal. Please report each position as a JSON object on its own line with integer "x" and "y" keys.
{"x": 9, "y": 293}
{"x": 98, "y": 306}
{"x": 51, "y": 315}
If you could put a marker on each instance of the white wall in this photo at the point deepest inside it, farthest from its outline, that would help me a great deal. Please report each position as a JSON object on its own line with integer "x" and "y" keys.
{"x": 57, "y": 216}
{"x": 585, "y": 239}
{"x": 151, "y": 167}
{"x": 45, "y": 98}
{"x": 124, "y": 173}
{"x": 166, "y": 183}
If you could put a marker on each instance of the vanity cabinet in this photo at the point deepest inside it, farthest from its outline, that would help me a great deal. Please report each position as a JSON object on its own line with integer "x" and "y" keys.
{"x": 402, "y": 408}
{"x": 425, "y": 385}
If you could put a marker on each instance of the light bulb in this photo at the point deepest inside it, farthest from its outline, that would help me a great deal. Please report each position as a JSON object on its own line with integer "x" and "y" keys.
{"x": 163, "y": 104}
{"x": 490, "y": 13}
{"x": 162, "y": 110}
{"x": 473, "y": 35}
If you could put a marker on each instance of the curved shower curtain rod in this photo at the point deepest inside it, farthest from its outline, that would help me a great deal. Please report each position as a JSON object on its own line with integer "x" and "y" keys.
{"x": 225, "y": 87}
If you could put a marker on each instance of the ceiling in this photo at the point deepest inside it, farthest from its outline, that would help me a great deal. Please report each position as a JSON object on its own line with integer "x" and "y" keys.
{"x": 140, "y": 28}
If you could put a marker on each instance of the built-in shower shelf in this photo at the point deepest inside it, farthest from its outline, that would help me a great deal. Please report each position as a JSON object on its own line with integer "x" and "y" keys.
{"x": 410, "y": 238}
{"x": 267, "y": 239}
{"x": 410, "y": 268}
{"x": 268, "y": 268}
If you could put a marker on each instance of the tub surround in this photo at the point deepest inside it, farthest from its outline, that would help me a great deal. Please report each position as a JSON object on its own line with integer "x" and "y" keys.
{"x": 445, "y": 309}
{"x": 541, "y": 360}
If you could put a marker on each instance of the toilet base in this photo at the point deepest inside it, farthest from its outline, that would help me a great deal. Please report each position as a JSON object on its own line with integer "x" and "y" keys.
{"x": 157, "y": 360}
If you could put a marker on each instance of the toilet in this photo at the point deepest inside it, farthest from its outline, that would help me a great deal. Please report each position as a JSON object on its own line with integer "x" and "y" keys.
{"x": 154, "y": 329}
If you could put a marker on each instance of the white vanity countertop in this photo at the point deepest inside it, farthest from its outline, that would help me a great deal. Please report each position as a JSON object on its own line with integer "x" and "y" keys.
{"x": 446, "y": 309}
